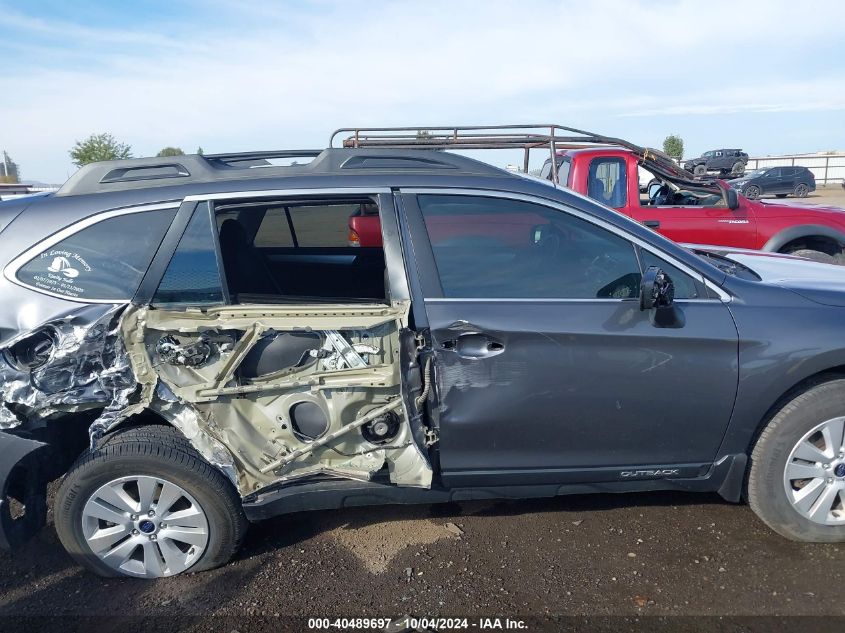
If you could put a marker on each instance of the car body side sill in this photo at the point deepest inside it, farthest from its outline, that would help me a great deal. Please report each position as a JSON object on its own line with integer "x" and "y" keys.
{"x": 334, "y": 494}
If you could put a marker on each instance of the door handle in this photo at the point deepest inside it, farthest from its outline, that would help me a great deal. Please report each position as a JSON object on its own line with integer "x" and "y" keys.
{"x": 474, "y": 345}
{"x": 652, "y": 224}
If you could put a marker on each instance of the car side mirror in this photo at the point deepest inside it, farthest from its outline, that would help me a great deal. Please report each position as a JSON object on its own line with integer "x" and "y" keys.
{"x": 732, "y": 198}
{"x": 656, "y": 289}
{"x": 653, "y": 188}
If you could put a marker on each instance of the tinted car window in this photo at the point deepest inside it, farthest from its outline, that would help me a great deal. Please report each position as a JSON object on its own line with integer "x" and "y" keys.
{"x": 314, "y": 226}
{"x": 193, "y": 275}
{"x": 104, "y": 261}
{"x": 498, "y": 248}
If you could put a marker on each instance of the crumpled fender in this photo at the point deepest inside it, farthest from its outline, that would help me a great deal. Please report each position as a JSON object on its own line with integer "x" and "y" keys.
{"x": 30, "y": 489}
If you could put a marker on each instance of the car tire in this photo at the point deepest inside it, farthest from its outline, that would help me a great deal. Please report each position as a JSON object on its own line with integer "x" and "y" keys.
{"x": 789, "y": 436}
{"x": 816, "y": 256}
{"x": 801, "y": 190}
{"x": 752, "y": 192}
{"x": 202, "y": 507}
{"x": 699, "y": 170}
{"x": 738, "y": 168}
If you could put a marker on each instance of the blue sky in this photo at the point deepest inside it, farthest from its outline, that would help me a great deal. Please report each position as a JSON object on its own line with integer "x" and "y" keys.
{"x": 229, "y": 76}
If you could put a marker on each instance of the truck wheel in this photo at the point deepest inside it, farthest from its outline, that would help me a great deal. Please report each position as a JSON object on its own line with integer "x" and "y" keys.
{"x": 738, "y": 168}
{"x": 796, "y": 484}
{"x": 699, "y": 170}
{"x": 752, "y": 192}
{"x": 801, "y": 190}
{"x": 816, "y": 256}
{"x": 146, "y": 505}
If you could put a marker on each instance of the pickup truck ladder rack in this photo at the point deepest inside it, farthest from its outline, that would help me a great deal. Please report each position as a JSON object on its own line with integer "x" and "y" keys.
{"x": 526, "y": 137}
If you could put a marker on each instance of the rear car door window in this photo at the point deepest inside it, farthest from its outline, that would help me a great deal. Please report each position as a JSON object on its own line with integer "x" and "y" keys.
{"x": 101, "y": 262}
{"x": 487, "y": 247}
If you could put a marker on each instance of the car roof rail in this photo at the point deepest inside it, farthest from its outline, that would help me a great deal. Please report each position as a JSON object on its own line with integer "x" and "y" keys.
{"x": 137, "y": 173}
{"x": 239, "y": 158}
{"x": 549, "y": 136}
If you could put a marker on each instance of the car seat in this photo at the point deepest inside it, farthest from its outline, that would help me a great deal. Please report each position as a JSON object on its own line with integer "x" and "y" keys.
{"x": 247, "y": 271}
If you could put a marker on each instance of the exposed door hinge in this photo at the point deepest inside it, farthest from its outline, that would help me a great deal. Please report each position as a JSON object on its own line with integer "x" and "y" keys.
{"x": 431, "y": 437}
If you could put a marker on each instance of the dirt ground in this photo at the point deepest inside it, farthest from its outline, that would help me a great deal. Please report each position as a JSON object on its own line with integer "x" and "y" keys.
{"x": 833, "y": 195}
{"x": 631, "y": 555}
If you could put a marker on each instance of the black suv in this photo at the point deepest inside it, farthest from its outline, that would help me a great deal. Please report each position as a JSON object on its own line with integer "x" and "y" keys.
{"x": 724, "y": 161}
{"x": 778, "y": 181}
{"x": 191, "y": 343}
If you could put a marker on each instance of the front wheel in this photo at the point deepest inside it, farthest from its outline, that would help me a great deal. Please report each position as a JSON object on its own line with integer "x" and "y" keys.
{"x": 699, "y": 170}
{"x": 816, "y": 256}
{"x": 146, "y": 505}
{"x": 752, "y": 192}
{"x": 796, "y": 484}
{"x": 738, "y": 168}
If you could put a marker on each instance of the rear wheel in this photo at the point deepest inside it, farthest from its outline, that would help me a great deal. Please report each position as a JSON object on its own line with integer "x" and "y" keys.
{"x": 752, "y": 192}
{"x": 801, "y": 190}
{"x": 796, "y": 483}
{"x": 146, "y": 504}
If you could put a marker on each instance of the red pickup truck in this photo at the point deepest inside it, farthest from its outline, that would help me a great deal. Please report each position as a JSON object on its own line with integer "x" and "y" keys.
{"x": 677, "y": 205}
{"x": 701, "y": 212}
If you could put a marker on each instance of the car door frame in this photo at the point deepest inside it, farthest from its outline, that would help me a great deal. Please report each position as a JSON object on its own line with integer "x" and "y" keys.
{"x": 422, "y": 273}
{"x": 397, "y": 275}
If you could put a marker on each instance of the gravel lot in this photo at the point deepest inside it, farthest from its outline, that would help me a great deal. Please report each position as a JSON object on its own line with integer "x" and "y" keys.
{"x": 631, "y": 555}
{"x": 825, "y": 194}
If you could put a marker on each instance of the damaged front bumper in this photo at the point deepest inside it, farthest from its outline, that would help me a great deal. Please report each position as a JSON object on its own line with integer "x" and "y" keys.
{"x": 23, "y": 489}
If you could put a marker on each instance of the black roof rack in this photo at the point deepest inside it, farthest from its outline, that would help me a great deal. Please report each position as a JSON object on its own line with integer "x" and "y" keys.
{"x": 135, "y": 173}
{"x": 546, "y": 136}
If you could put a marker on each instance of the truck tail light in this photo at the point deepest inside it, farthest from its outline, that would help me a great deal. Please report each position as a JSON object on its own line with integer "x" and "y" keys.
{"x": 353, "y": 238}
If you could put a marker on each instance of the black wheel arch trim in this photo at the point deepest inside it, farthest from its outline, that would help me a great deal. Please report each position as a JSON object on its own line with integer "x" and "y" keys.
{"x": 28, "y": 455}
{"x": 784, "y": 237}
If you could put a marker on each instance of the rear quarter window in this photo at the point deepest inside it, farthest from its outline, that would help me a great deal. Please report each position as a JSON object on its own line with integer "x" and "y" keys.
{"x": 101, "y": 262}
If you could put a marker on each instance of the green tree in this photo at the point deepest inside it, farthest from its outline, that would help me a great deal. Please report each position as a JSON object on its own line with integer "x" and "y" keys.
{"x": 171, "y": 151}
{"x": 199, "y": 151}
{"x": 98, "y": 147}
{"x": 9, "y": 170}
{"x": 674, "y": 146}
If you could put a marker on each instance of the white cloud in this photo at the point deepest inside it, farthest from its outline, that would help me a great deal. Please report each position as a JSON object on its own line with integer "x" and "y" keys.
{"x": 266, "y": 75}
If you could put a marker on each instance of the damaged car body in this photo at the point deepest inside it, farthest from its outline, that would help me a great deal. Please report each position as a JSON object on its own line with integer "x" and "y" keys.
{"x": 191, "y": 343}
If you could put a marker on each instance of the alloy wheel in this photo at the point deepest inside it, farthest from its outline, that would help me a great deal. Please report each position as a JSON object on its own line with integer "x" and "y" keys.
{"x": 801, "y": 191}
{"x": 814, "y": 476}
{"x": 752, "y": 193}
{"x": 145, "y": 526}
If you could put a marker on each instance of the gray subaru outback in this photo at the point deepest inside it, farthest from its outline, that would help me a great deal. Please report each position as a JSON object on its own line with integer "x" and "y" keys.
{"x": 193, "y": 343}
